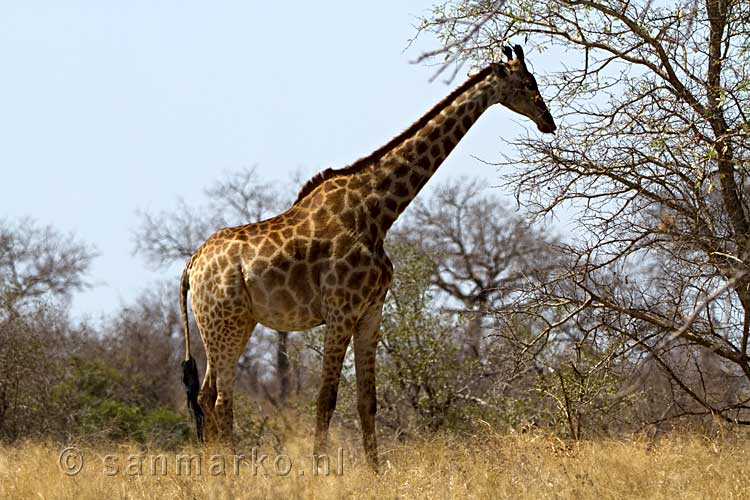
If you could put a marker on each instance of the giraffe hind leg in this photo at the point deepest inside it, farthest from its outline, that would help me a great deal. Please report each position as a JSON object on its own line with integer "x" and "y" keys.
{"x": 225, "y": 325}
{"x": 224, "y": 407}
{"x": 216, "y": 395}
{"x": 226, "y": 373}
{"x": 207, "y": 401}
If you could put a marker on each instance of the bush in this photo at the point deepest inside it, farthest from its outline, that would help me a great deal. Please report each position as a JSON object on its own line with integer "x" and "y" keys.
{"x": 104, "y": 406}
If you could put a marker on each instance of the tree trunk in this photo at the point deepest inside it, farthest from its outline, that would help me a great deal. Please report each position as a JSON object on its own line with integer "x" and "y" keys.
{"x": 282, "y": 367}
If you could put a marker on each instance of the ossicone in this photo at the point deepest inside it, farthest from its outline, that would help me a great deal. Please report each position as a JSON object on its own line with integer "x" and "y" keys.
{"x": 508, "y": 52}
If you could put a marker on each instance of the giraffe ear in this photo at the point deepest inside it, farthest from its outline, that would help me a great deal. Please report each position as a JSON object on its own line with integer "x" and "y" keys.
{"x": 508, "y": 52}
{"x": 519, "y": 52}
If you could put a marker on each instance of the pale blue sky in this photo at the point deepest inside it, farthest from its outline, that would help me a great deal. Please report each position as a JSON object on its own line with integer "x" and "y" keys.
{"x": 108, "y": 107}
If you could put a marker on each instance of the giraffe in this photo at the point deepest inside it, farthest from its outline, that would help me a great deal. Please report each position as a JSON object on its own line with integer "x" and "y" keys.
{"x": 322, "y": 261}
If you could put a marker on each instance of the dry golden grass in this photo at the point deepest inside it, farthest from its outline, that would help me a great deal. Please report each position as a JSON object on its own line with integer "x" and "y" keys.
{"x": 490, "y": 466}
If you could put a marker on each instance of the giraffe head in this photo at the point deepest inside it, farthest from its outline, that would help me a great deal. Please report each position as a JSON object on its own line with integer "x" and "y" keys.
{"x": 521, "y": 93}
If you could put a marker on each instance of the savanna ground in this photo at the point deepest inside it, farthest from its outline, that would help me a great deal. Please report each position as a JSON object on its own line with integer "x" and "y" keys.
{"x": 486, "y": 465}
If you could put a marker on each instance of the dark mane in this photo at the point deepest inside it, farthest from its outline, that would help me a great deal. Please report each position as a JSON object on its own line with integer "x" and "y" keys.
{"x": 360, "y": 164}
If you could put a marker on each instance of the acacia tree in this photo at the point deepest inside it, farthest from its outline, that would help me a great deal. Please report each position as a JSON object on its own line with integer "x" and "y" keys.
{"x": 424, "y": 380}
{"x": 653, "y": 158}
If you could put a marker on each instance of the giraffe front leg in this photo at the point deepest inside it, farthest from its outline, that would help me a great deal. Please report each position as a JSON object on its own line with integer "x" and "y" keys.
{"x": 365, "y": 347}
{"x": 336, "y": 342}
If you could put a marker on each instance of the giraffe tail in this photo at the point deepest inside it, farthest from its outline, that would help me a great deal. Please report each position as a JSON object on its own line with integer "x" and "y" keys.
{"x": 190, "y": 377}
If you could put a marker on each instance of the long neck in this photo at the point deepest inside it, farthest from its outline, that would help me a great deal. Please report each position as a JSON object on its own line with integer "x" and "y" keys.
{"x": 397, "y": 177}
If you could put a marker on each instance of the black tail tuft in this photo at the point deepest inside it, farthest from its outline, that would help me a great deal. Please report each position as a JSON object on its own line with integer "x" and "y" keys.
{"x": 192, "y": 386}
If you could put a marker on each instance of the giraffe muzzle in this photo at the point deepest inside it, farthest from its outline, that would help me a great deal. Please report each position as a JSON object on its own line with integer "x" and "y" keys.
{"x": 547, "y": 124}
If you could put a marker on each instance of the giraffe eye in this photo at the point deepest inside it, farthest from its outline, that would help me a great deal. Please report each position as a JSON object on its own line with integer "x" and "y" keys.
{"x": 501, "y": 70}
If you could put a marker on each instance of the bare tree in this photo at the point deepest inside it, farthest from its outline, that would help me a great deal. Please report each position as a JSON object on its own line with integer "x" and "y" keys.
{"x": 653, "y": 157}
{"x": 487, "y": 265}
{"x": 38, "y": 262}
{"x": 484, "y": 253}
{"x": 40, "y": 268}
{"x": 238, "y": 198}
